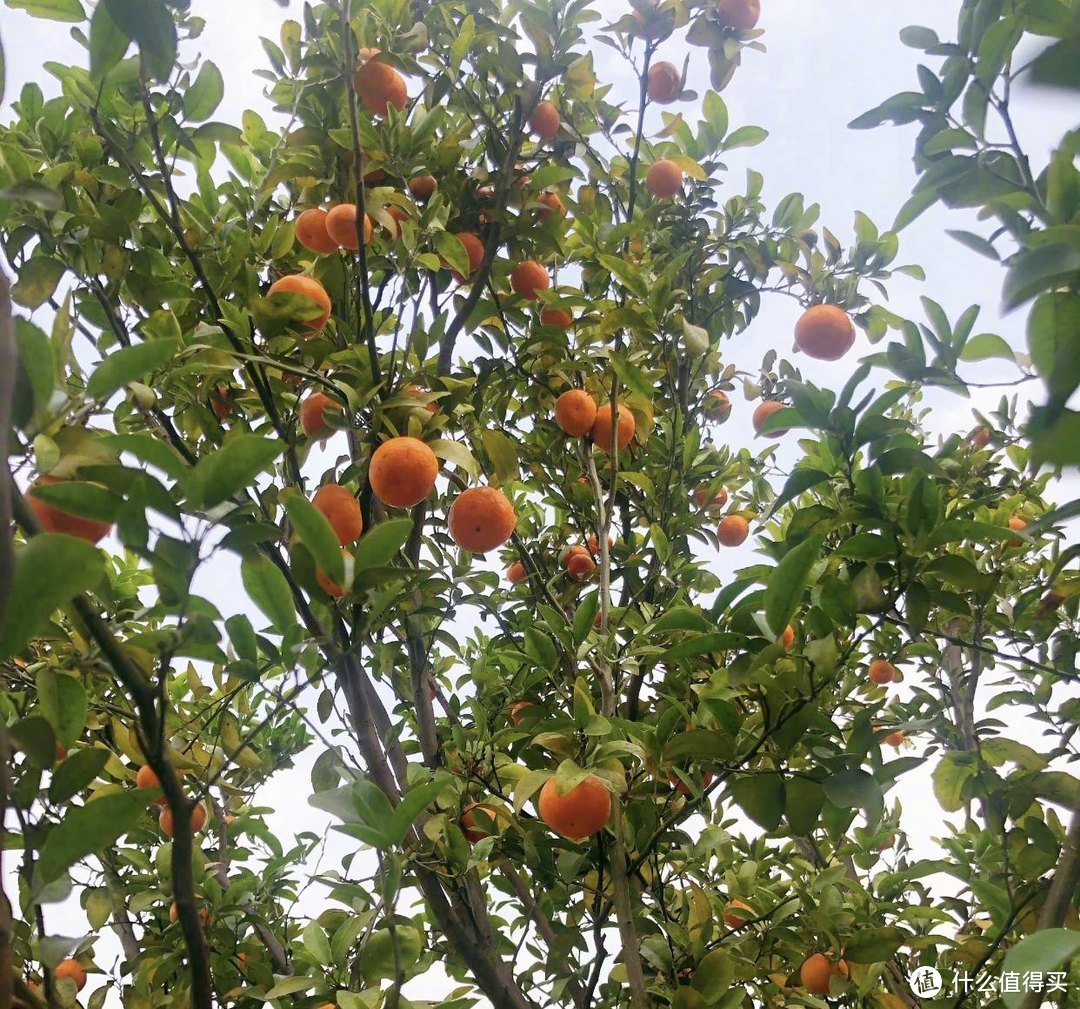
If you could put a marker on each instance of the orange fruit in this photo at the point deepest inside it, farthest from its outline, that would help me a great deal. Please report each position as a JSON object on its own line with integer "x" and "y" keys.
{"x": 72, "y": 969}
{"x": 147, "y": 778}
{"x": 737, "y": 912}
{"x": 528, "y": 278}
{"x": 331, "y": 588}
{"x": 219, "y": 402}
{"x": 198, "y": 819}
{"x": 341, "y": 509}
{"x": 516, "y": 573}
{"x": 399, "y": 214}
{"x": 705, "y": 499}
{"x": 664, "y": 83}
{"x": 556, "y": 317}
{"x": 1016, "y": 523}
{"x": 469, "y": 822}
{"x": 423, "y": 187}
{"x": 787, "y": 639}
{"x": 601, "y": 429}
{"x": 733, "y": 530}
{"x": 204, "y": 916}
{"x": 552, "y": 206}
{"x": 818, "y": 970}
{"x": 579, "y": 563}
{"x": 580, "y": 813}
{"x": 311, "y": 232}
{"x": 313, "y": 414}
{"x": 764, "y": 411}
{"x": 717, "y": 405}
{"x": 825, "y": 332}
{"x": 681, "y": 786}
{"x": 881, "y": 671}
{"x": 894, "y": 738}
{"x": 341, "y": 226}
{"x": 664, "y": 178}
{"x": 481, "y": 519}
{"x": 53, "y": 520}
{"x": 575, "y": 412}
{"x": 545, "y": 120}
{"x": 980, "y": 438}
{"x": 516, "y": 710}
{"x": 402, "y": 471}
{"x": 594, "y": 544}
{"x": 474, "y": 248}
{"x": 742, "y": 15}
{"x": 378, "y": 86}
{"x": 297, "y": 283}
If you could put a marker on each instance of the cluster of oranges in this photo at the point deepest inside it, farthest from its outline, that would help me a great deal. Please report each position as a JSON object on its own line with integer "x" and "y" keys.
{"x": 146, "y": 777}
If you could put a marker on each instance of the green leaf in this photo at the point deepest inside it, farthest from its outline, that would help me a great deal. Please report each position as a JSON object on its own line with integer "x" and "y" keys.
{"x": 682, "y": 618}
{"x": 804, "y": 801}
{"x": 875, "y": 945}
{"x": 744, "y": 136}
{"x": 917, "y": 37}
{"x": 37, "y": 281}
{"x": 50, "y": 571}
{"x": 1038, "y": 270}
{"x": 86, "y": 830}
{"x": 377, "y": 955}
{"x": 855, "y": 789}
{"x": 987, "y": 345}
{"x": 412, "y": 804}
{"x": 717, "y": 642}
{"x": 452, "y": 252}
{"x": 787, "y": 582}
{"x": 950, "y": 778}
{"x": 35, "y": 737}
{"x": 502, "y": 453}
{"x": 76, "y": 772}
{"x": 290, "y": 986}
{"x": 108, "y": 43}
{"x": 269, "y": 590}
{"x": 540, "y": 647}
{"x": 1053, "y": 339}
{"x": 455, "y": 452}
{"x": 29, "y": 191}
{"x": 316, "y": 944}
{"x": 80, "y": 498}
{"x": 585, "y": 615}
{"x": 205, "y": 93}
{"x": 220, "y": 474}
{"x": 129, "y": 364}
{"x": 799, "y": 481}
{"x": 1043, "y": 952}
{"x": 35, "y": 375}
{"x": 713, "y": 974}
{"x": 63, "y": 703}
{"x": 380, "y": 545}
{"x": 762, "y": 797}
{"x": 317, "y": 535}
{"x": 99, "y": 906}
{"x": 150, "y": 24}
{"x": 52, "y": 10}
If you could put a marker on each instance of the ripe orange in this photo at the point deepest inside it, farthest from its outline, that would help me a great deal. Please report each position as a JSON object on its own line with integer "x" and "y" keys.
{"x": 204, "y": 916}
{"x": 53, "y": 520}
{"x": 601, "y": 429}
{"x": 311, "y": 232}
{"x": 516, "y": 573}
{"x": 707, "y": 500}
{"x": 423, "y": 187}
{"x": 825, "y": 332}
{"x": 894, "y": 738}
{"x": 399, "y": 214}
{"x": 980, "y": 438}
{"x": 297, "y": 283}
{"x": 580, "y": 813}
{"x": 147, "y": 778}
{"x": 313, "y": 414}
{"x": 72, "y": 969}
{"x": 575, "y": 412}
{"x": 742, "y": 15}
{"x": 528, "y": 278}
{"x": 733, "y": 530}
{"x": 764, "y": 411}
{"x": 402, "y": 472}
{"x": 1016, "y": 523}
{"x": 378, "y": 86}
{"x": 342, "y": 511}
{"x": 664, "y": 178}
{"x": 881, "y": 671}
{"x": 552, "y": 206}
{"x": 737, "y": 913}
{"x": 717, "y": 406}
{"x": 556, "y": 317}
{"x": 198, "y": 819}
{"x": 341, "y": 226}
{"x": 474, "y": 249}
{"x": 331, "y": 588}
{"x": 579, "y": 563}
{"x": 516, "y": 710}
{"x": 787, "y": 639}
{"x": 219, "y": 402}
{"x": 664, "y": 83}
{"x": 545, "y": 121}
{"x": 481, "y": 519}
{"x": 681, "y": 786}
{"x": 594, "y": 544}
{"x": 818, "y": 970}
{"x": 469, "y": 822}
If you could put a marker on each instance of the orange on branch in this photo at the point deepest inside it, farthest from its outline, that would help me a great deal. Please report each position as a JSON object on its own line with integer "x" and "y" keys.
{"x": 602, "y": 426}
{"x": 717, "y": 406}
{"x": 54, "y": 520}
{"x": 341, "y": 226}
{"x": 894, "y": 739}
{"x": 529, "y": 278}
{"x": 733, "y": 530}
{"x": 593, "y": 543}
{"x": 545, "y": 121}
{"x": 706, "y": 499}
{"x": 73, "y": 970}
{"x": 330, "y": 587}
{"x": 378, "y": 86}
{"x": 556, "y": 317}
{"x": 516, "y": 710}
{"x": 481, "y": 519}
{"x": 825, "y": 332}
{"x": 469, "y": 822}
{"x": 881, "y": 671}
{"x": 737, "y": 913}
{"x": 219, "y": 402}
{"x": 742, "y": 15}
{"x": 311, "y": 232}
{"x": 313, "y": 414}
{"x": 579, "y": 563}
{"x": 146, "y": 777}
{"x": 980, "y": 437}
{"x": 582, "y": 812}
{"x": 682, "y": 787}
{"x": 764, "y": 411}
{"x": 198, "y": 819}
{"x": 575, "y": 412}
{"x": 664, "y": 83}
{"x": 553, "y": 206}
{"x": 664, "y": 178}
{"x": 787, "y": 639}
{"x": 818, "y": 970}
{"x": 298, "y": 283}
{"x": 516, "y": 573}
{"x": 402, "y": 471}
{"x": 423, "y": 187}
{"x": 341, "y": 509}
{"x": 474, "y": 249}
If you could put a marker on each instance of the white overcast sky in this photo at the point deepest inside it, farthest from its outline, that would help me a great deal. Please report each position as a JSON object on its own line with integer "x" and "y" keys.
{"x": 827, "y": 61}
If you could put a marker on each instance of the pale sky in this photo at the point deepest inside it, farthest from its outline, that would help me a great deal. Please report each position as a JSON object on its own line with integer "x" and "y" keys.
{"x": 827, "y": 62}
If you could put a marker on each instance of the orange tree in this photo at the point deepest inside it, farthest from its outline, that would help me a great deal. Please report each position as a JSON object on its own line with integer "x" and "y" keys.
{"x": 437, "y": 370}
